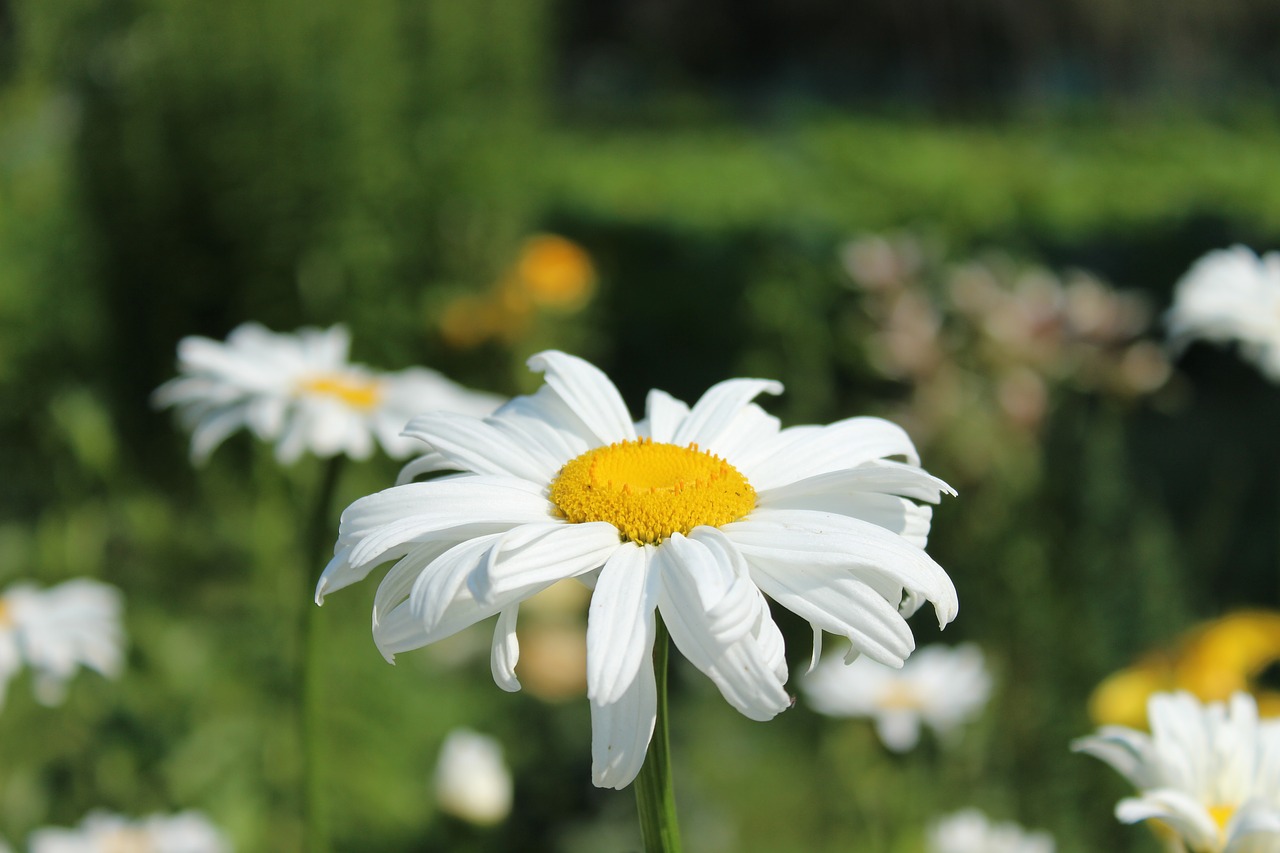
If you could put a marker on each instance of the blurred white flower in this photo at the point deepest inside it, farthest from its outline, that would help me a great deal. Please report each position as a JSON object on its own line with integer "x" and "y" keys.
{"x": 692, "y": 513}
{"x": 299, "y": 391}
{"x": 970, "y": 831}
{"x": 102, "y": 832}
{"x": 1208, "y": 776}
{"x": 938, "y": 686}
{"x": 472, "y": 780}
{"x": 57, "y": 630}
{"x": 1231, "y": 295}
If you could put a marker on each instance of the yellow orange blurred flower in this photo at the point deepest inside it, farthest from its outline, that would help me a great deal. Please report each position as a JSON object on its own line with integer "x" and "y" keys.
{"x": 554, "y": 272}
{"x": 550, "y": 273}
{"x": 1211, "y": 661}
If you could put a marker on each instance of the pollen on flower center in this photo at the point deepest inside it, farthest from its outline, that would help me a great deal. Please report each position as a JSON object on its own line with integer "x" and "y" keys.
{"x": 355, "y": 391}
{"x": 649, "y": 490}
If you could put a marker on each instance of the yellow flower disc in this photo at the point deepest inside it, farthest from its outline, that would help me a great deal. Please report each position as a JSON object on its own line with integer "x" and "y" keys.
{"x": 650, "y": 490}
{"x": 355, "y": 391}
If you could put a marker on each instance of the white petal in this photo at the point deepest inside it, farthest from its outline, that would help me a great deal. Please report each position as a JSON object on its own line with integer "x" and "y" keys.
{"x": 621, "y": 730}
{"x": 718, "y": 407}
{"x": 214, "y": 429}
{"x": 828, "y": 542}
{"x": 1181, "y": 812}
{"x": 1130, "y": 752}
{"x": 839, "y": 604}
{"x": 589, "y": 393}
{"x": 620, "y": 622}
{"x": 663, "y": 415}
{"x": 536, "y": 555}
{"x": 898, "y": 730}
{"x": 429, "y": 463}
{"x": 376, "y": 523}
{"x": 470, "y": 444}
{"x": 713, "y": 612}
{"x": 805, "y": 451}
{"x": 506, "y": 650}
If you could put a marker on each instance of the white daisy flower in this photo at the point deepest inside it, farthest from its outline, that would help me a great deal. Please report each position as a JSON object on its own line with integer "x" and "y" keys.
{"x": 57, "y": 630}
{"x": 970, "y": 831}
{"x": 300, "y": 391}
{"x": 102, "y": 832}
{"x": 692, "y": 513}
{"x": 1232, "y": 295}
{"x": 938, "y": 686}
{"x": 472, "y": 781}
{"x": 1208, "y": 776}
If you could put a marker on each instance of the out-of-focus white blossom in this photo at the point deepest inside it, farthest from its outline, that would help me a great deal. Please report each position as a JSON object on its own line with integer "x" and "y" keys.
{"x": 970, "y": 831}
{"x": 1208, "y": 775}
{"x": 938, "y": 686}
{"x": 102, "y": 832}
{"x": 299, "y": 391}
{"x": 55, "y": 631}
{"x": 1231, "y": 295}
{"x": 472, "y": 781}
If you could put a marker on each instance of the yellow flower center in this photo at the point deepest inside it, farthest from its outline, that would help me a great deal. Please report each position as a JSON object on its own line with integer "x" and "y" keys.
{"x": 900, "y": 697}
{"x": 355, "y": 391}
{"x": 6, "y": 615}
{"x": 1222, "y": 816}
{"x": 127, "y": 841}
{"x": 650, "y": 490}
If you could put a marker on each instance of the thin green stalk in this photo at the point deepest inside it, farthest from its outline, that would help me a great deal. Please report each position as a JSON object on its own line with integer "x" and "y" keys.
{"x": 655, "y": 795}
{"x": 315, "y": 812}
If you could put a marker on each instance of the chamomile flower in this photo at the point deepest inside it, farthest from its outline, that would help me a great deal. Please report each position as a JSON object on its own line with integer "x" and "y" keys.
{"x": 970, "y": 831}
{"x": 693, "y": 513}
{"x": 938, "y": 686}
{"x": 299, "y": 391}
{"x": 56, "y": 631}
{"x": 102, "y": 832}
{"x": 1232, "y": 295}
{"x": 472, "y": 780}
{"x": 1208, "y": 776}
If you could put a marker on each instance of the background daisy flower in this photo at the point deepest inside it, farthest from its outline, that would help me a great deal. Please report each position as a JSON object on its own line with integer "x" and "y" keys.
{"x": 103, "y": 832}
{"x": 472, "y": 781}
{"x": 299, "y": 391}
{"x": 694, "y": 513}
{"x": 1232, "y": 295}
{"x": 970, "y": 831}
{"x": 938, "y": 686}
{"x": 55, "y": 631}
{"x": 1208, "y": 776}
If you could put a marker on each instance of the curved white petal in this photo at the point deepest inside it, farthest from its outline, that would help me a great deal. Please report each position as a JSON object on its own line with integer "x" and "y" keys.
{"x": 588, "y": 392}
{"x": 1128, "y": 751}
{"x": 506, "y": 650}
{"x": 805, "y": 451}
{"x": 470, "y": 444}
{"x": 837, "y": 543}
{"x": 621, "y": 730}
{"x": 374, "y": 525}
{"x": 718, "y": 408}
{"x": 715, "y": 613}
{"x": 621, "y": 622}
{"x": 1183, "y": 813}
{"x": 536, "y": 555}
{"x": 841, "y": 605}
{"x": 429, "y": 463}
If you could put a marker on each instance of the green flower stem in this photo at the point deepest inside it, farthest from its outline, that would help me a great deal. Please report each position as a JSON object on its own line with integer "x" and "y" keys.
{"x": 315, "y": 812}
{"x": 655, "y": 795}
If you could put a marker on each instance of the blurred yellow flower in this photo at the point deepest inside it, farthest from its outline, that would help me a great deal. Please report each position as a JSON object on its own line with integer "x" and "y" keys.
{"x": 554, "y": 272}
{"x": 551, "y": 272}
{"x": 1211, "y": 661}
